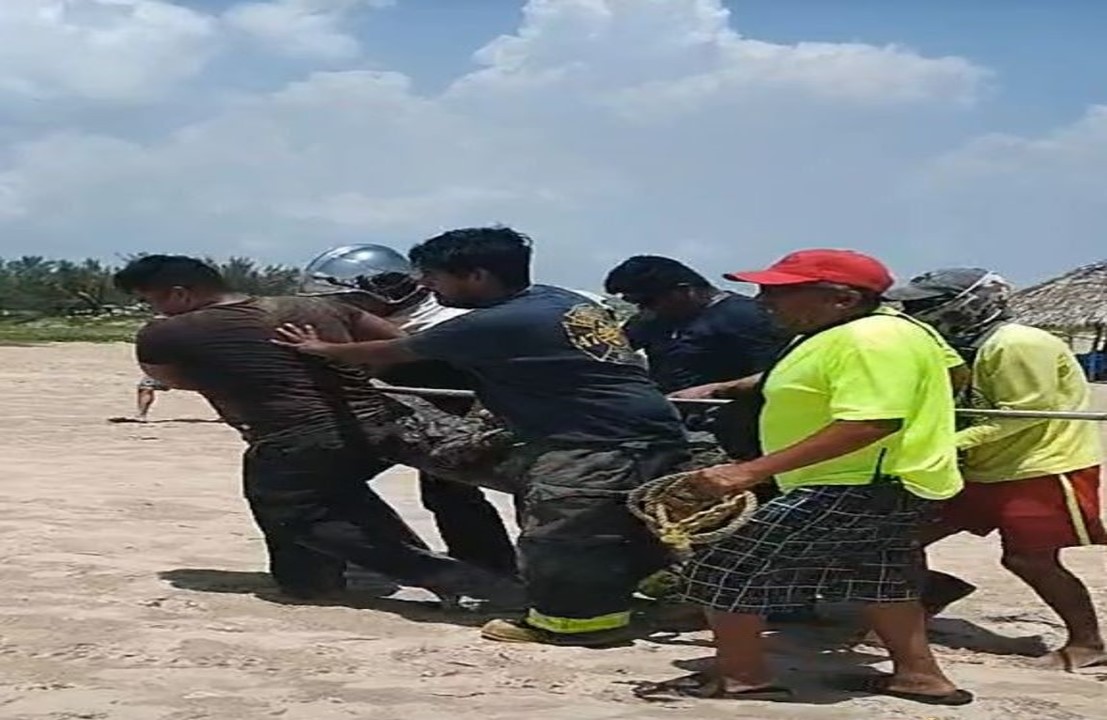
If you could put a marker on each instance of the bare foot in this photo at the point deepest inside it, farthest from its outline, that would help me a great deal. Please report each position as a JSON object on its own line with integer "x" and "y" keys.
{"x": 1073, "y": 658}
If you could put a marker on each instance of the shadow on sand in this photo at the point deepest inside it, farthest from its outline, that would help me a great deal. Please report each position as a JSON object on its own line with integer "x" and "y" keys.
{"x": 165, "y": 421}
{"x": 367, "y": 591}
{"x": 817, "y": 661}
{"x": 839, "y": 630}
{"x": 811, "y": 678}
{"x": 958, "y": 634}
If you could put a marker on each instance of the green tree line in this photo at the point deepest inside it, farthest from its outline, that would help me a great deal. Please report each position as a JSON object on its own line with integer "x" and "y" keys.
{"x": 38, "y": 286}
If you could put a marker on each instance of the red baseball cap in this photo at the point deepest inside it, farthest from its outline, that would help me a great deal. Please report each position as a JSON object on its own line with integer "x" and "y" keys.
{"x": 809, "y": 266}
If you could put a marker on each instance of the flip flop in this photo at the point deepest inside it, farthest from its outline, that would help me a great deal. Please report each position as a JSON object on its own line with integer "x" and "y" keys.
{"x": 878, "y": 685}
{"x": 707, "y": 686}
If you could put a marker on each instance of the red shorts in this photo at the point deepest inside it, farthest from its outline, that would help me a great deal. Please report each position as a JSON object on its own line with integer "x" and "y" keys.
{"x": 1035, "y": 514}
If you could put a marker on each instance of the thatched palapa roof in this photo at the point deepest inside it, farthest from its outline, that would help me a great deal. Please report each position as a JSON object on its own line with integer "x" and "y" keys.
{"x": 1074, "y": 301}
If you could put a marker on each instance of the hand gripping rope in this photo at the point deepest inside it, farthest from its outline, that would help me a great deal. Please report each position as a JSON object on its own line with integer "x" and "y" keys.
{"x": 682, "y": 517}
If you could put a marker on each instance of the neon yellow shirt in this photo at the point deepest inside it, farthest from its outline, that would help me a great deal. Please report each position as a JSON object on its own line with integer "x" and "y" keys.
{"x": 1024, "y": 368}
{"x": 877, "y": 368}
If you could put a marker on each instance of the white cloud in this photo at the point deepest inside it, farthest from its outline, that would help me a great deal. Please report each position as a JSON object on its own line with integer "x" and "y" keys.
{"x": 112, "y": 50}
{"x": 302, "y": 28}
{"x": 141, "y": 50}
{"x": 602, "y": 127}
{"x": 685, "y": 51}
{"x": 999, "y": 194}
{"x": 1076, "y": 154}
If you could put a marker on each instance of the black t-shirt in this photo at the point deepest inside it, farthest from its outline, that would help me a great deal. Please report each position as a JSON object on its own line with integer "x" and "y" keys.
{"x": 732, "y": 338}
{"x": 254, "y": 385}
{"x": 554, "y": 366}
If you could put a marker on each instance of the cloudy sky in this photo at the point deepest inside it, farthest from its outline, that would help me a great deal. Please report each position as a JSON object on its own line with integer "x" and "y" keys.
{"x": 929, "y": 132}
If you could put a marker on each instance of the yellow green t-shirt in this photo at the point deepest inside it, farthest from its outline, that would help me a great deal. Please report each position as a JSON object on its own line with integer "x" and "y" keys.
{"x": 879, "y": 367}
{"x": 1024, "y": 368}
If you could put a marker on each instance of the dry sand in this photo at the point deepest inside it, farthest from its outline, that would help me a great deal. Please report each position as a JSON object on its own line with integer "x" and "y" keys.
{"x": 132, "y": 591}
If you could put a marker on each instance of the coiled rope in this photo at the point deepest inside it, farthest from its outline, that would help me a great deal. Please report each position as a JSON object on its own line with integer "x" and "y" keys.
{"x": 682, "y": 517}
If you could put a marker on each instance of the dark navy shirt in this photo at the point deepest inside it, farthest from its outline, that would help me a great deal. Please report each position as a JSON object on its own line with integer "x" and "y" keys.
{"x": 554, "y": 366}
{"x": 732, "y": 338}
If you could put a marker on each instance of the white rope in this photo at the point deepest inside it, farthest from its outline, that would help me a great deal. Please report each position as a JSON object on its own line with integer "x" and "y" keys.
{"x": 972, "y": 412}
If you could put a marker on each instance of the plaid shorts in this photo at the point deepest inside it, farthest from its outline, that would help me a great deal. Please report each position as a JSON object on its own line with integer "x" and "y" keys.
{"x": 840, "y": 542}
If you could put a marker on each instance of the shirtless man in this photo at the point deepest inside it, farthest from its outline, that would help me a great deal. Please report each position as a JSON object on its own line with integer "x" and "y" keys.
{"x": 315, "y": 431}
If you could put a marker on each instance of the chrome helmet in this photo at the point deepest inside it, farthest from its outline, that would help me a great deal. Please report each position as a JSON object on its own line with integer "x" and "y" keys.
{"x": 374, "y": 270}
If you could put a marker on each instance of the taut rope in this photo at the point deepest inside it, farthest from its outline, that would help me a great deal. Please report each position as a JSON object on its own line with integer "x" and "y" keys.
{"x": 968, "y": 412}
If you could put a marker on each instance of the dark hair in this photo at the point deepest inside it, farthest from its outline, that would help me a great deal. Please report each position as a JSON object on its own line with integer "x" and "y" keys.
{"x": 161, "y": 272}
{"x": 651, "y": 275}
{"x": 501, "y": 251}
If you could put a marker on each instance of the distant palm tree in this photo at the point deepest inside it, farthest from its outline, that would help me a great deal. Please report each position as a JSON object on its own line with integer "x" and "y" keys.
{"x": 36, "y": 285}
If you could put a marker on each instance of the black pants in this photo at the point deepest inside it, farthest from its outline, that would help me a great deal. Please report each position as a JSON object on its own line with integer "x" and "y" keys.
{"x": 582, "y": 552}
{"x": 317, "y": 512}
{"x": 469, "y": 524}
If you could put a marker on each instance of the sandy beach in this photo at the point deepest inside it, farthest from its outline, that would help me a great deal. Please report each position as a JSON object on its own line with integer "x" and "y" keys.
{"x": 132, "y": 591}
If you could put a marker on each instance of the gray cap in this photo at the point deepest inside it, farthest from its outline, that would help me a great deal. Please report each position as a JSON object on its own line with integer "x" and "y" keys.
{"x": 937, "y": 283}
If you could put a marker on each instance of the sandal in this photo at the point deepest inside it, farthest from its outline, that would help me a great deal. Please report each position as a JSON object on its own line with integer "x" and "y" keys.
{"x": 708, "y": 686}
{"x": 878, "y": 685}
